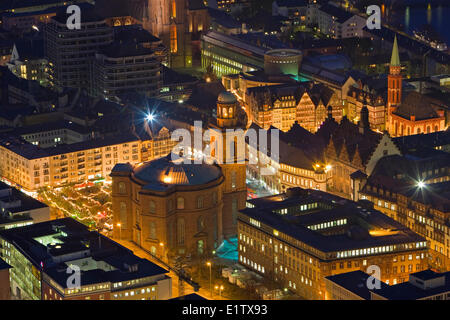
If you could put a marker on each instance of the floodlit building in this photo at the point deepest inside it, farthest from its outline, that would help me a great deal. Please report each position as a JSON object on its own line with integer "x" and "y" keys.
{"x": 71, "y": 53}
{"x": 30, "y": 167}
{"x": 174, "y": 208}
{"x": 46, "y": 257}
{"x": 300, "y": 237}
{"x": 414, "y": 190}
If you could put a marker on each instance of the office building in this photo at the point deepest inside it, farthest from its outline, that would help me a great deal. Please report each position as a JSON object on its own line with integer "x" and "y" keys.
{"x": 300, "y": 237}
{"x": 71, "y": 53}
{"x": 414, "y": 190}
{"x": 63, "y": 260}
{"x": 126, "y": 66}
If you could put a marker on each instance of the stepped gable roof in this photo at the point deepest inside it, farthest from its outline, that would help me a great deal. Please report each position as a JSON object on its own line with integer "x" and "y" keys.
{"x": 348, "y": 134}
{"x": 320, "y": 93}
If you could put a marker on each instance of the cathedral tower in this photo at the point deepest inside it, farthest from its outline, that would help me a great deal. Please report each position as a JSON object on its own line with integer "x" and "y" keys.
{"x": 168, "y": 20}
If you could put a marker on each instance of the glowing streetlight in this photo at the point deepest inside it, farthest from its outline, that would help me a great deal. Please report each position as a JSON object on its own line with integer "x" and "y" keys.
{"x": 210, "y": 277}
{"x": 150, "y": 117}
{"x": 120, "y": 230}
{"x": 220, "y": 288}
{"x": 421, "y": 184}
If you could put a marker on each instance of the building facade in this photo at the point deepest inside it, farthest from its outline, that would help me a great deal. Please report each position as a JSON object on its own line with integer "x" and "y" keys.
{"x": 29, "y": 167}
{"x": 298, "y": 238}
{"x": 168, "y": 20}
{"x": 46, "y": 255}
{"x": 71, "y": 53}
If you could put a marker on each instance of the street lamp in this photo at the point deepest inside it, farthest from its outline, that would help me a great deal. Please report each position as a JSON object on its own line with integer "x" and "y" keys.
{"x": 120, "y": 230}
{"x": 161, "y": 244}
{"x": 220, "y": 288}
{"x": 210, "y": 277}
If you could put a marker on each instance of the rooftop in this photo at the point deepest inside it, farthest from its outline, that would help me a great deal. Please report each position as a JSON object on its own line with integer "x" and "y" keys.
{"x": 411, "y": 291}
{"x": 355, "y": 282}
{"x": 54, "y": 245}
{"x": 340, "y": 14}
{"x": 164, "y": 173}
{"x": 329, "y": 223}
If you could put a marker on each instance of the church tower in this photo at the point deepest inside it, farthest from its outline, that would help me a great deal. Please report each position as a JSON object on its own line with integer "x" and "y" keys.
{"x": 394, "y": 84}
{"x": 168, "y": 20}
{"x": 227, "y": 142}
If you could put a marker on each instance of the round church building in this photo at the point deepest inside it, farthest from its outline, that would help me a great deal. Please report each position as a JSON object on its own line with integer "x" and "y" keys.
{"x": 168, "y": 207}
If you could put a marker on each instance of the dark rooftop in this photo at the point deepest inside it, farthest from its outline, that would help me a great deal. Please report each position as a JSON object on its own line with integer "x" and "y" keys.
{"x": 409, "y": 291}
{"x": 359, "y": 216}
{"x": 355, "y": 282}
{"x": 41, "y": 243}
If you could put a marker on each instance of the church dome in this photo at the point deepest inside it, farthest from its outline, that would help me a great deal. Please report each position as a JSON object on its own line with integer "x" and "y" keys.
{"x": 163, "y": 173}
{"x": 226, "y": 98}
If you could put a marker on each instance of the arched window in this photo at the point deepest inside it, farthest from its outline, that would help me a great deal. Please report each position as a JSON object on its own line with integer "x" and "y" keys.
{"x": 199, "y": 202}
{"x": 180, "y": 231}
{"x": 174, "y": 9}
{"x": 123, "y": 215}
{"x": 418, "y": 130}
{"x": 428, "y": 129}
{"x": 230, "y": 112}
{"x": 173, "y": 39}
{"x": 153, "y": 250}
{"x": 200, "y": 224}
{"x": 180, "y": 203}
{"x": 152, "y": 206}
{"x": 224, "y": 112}
{"x": 233, "y": 179}
{"x": 152, "y": 230}
{"x": 200, "y": 247}
{"x": 122, "y": 188}
{"x": 128, "y": 22}
{"x": 117, "y": 23}
{"x": 436, "y": 128}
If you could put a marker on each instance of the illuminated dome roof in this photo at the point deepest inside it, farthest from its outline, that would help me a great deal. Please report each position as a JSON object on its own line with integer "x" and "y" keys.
{"x": 163, "y": 173}
{"x": 226, "y": 98}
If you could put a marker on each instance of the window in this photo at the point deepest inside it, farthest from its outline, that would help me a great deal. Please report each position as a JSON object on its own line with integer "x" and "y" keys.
{"x": 152, "y": 206}
{"x": 180, "y": 203}
{"x": 152, "y": 230}
{"x": 200, "y": 246}
{"x": 233, "y": 179}
{"x": 180, "y": 231}
{"x": 199, "y": 202}
{"x": 122, "y": 188}
{"x": 123, "y": 215}
{"x": 200, "y": 224}
{"x": 173, "y": 39}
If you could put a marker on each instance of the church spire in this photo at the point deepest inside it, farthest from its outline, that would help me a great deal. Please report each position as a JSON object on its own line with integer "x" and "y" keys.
{"x": 395, "y": 58}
